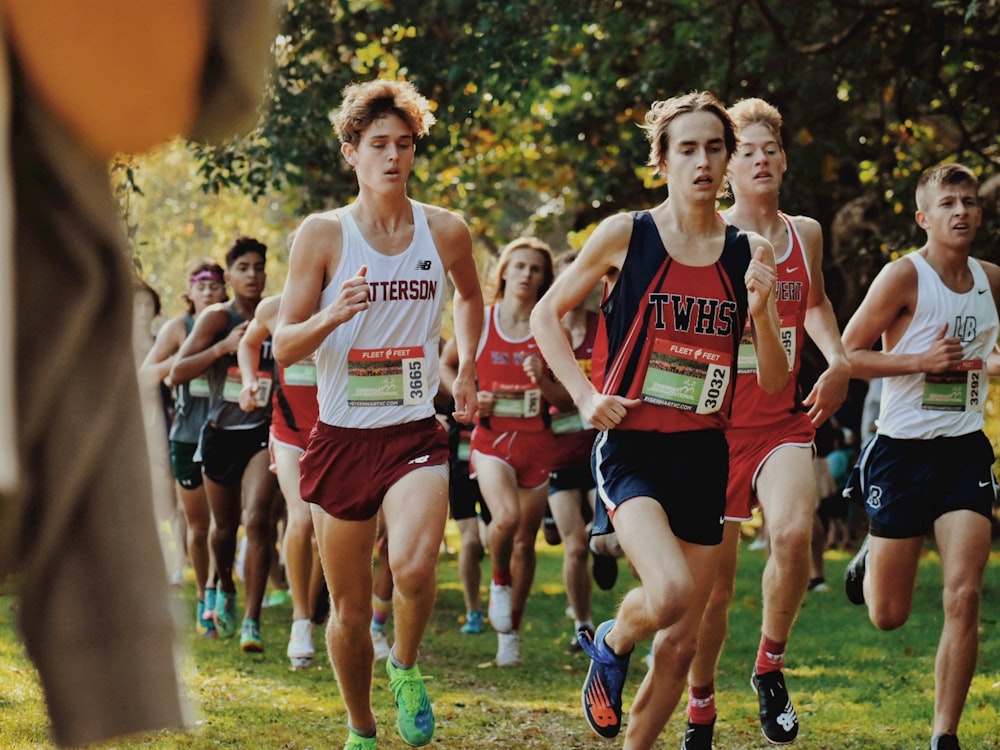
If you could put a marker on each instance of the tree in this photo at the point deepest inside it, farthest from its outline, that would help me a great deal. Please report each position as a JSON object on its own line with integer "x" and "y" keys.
{"x": 539, "y": 105}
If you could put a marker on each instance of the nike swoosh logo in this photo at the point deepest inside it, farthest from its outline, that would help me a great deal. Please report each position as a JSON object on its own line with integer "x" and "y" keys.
{"x": 985, "y": 484}
{"x": 792, "y": 269}
{"x": 982, "y": 291}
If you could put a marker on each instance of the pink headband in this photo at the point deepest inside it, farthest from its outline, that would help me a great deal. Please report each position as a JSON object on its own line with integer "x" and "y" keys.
{"x": 206, "y": 274}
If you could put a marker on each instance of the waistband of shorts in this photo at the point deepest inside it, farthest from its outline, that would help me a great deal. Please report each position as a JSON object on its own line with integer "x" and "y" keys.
{"x": 375, "y": 433}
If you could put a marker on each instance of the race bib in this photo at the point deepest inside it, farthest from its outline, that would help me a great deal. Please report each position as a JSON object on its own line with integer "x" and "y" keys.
{"x": 234, "y": 385}
{"x": 199, "y": 387}
{"x": 516, "y": 401}
{"x": 685, "y": 377}
{"x": 961, "y": 389}
{"x": 564, "y": 423}
{"x": 302, "y": 372}
{"x": 746, "y": 363}
{"x": 396, "y": 376}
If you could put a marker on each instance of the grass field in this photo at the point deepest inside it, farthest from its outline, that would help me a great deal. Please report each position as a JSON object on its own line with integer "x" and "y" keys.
{"x": 853, "y": 686}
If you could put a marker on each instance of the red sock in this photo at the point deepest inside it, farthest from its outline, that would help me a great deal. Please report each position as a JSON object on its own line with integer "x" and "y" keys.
{"x": 502, "y": 577}
{"x": 701, "y": 704}
{"x": 770, "y": 655}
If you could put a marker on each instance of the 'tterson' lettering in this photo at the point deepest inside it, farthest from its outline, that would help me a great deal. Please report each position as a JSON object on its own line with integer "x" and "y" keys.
{"x": 399, "y": 290}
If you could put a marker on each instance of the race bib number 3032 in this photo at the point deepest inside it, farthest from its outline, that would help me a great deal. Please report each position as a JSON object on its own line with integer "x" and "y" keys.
{"x": 686, "y": 377}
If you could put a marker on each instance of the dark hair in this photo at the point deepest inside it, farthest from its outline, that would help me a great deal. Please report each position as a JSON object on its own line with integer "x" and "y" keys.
{"x": 196, "y": 266}
{"x": 662, "y": 113}
{"x": 141, "y": 285}
{"x": 243, "y": 245}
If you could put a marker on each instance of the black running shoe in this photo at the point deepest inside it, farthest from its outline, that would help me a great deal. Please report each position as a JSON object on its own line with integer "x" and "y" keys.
{"x": 574, "y": 646}
{"x": 698, "y": 736}
{"x": 602, "y": 691}
{"x": 944, "y": 742}
{"x": 778, "y": 720}
{"x": 605, "y": 571}
{"x": 854, "y": 575}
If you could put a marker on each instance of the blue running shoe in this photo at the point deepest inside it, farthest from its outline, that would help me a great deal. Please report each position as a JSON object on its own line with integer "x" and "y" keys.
{"x": 602, "y": 691}
{"x": 416, "y": 717}
{"x": 205, "y": 625}
{"x": 473, "y": 623}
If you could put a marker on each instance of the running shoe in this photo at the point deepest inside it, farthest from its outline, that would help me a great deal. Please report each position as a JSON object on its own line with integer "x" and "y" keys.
{"x": 778, "y": 720}
{"x": 209, "y": 613}
{"x": 602, "y": 690}
{"x": 473, "y": 623}
{"x": 250, "y": 641}
{"x": 945, "y": 742}
{"x": 380, "y": 643}
{"x": 277, "y": 598}
{"x": 416, "y": 717}
{"x": 509, "y": 649}
{"x": 698, "y": 736}
{"x": 226, "y": 619}
{"x": 205, "y": 626}
{"x": 854, "y": 575}
{"x": 499, "y": 609}
{"x": 605, "y": 571}
{"x": 356, "y": 742}
{"x": 300, "y": 644}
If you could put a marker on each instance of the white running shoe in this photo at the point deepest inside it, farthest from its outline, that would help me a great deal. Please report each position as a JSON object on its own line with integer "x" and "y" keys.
{"x": 509, "y": 649}
{"x": 300, "y": 644}
{"x": 381, "y": 645}
{"x": 499, "y": 609}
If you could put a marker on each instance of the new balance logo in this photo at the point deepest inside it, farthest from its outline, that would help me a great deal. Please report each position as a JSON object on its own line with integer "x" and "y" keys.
{"x": 419, "y": 459}
{"x": 423, "y": 265}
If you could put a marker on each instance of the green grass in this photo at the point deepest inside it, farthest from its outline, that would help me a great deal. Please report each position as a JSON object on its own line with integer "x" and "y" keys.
{"x": 853, "y": 686}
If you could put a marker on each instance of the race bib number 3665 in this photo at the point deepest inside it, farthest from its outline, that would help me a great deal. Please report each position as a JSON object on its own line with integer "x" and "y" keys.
{"x": 387, "y": 377}
{"x": 686, "y": 377}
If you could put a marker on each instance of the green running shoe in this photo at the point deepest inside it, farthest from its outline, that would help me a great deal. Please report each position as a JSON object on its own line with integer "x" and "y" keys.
{"x": 226, "y": 620}
{"x": 416, "y": 717}
{"x": 356, "y": 742}
{"x": 250, "y": 641}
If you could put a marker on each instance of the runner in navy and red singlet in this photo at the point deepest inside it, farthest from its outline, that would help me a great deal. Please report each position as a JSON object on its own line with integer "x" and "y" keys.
{"x": 680, "y": 284}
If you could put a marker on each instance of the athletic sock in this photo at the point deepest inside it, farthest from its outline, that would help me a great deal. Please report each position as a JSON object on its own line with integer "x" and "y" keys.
{"x": 701, "y": 703}
{"x": 503, "y": 577}
{"x": 380, "y": 612}
{"x": 770, "y": 655}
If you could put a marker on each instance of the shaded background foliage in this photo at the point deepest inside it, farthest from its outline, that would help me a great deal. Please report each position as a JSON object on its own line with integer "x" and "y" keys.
{"x": 538, "y": 106}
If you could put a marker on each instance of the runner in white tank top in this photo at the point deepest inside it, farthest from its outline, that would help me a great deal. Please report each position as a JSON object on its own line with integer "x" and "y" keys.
{"x": 381, "y": 368}
{"x": 365, "y": 290}
{"x": 929, "y": 467}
